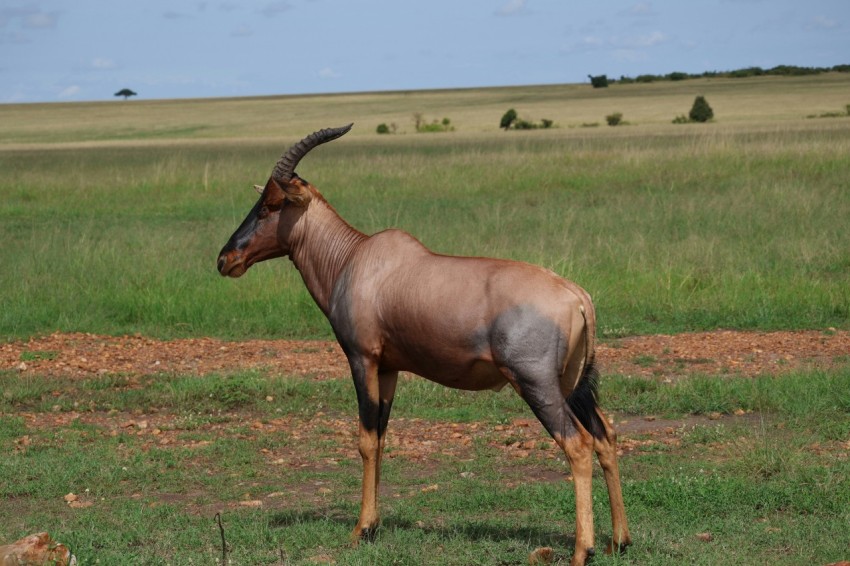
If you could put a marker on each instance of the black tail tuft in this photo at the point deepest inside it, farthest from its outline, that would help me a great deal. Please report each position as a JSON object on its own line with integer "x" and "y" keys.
{"x": 582, "y": 401}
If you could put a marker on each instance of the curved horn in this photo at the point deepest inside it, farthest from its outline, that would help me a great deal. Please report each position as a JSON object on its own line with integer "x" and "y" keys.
{"x": 285, "y": 168}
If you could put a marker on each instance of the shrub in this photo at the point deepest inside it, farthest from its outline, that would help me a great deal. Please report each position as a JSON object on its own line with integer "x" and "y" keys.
{"x": 599, "y": 81}
{"x": 382, "y": 129}
{"x": 614, "y": 119}
{"x": 548, "y": 123}
{"x": 507, "y": 119}
{"x": 701, "y": 111}
{"x": 681, "y": 119}
{"x": 435, "y": 126}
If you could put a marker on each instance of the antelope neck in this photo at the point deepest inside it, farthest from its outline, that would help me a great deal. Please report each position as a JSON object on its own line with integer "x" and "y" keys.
{"x": 323, "y": 246}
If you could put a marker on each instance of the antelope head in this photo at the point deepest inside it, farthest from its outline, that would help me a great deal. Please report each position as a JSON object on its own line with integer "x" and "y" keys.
{"x": 264, "y": 234}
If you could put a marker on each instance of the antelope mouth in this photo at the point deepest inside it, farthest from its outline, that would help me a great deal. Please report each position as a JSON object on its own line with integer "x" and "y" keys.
{"x": 234, "y": 268}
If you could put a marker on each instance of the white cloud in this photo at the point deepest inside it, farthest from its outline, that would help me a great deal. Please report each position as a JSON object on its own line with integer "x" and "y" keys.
{"x": 328, "y": 73}
{"x": 102, "y": 63}
{"x": 592, "y": 42}
{"x": 822, "y": 23}
{"x": 273, "y": 9}
{"x": 40, "y": 20}
{"x": 620, "y": 45}
{"x": 630, "y": 55}
{"x": 70, "y": 91}
{"x": 648, "y": 40}
{"x": 641, "y": 9}
{"x": 512, "y": 8}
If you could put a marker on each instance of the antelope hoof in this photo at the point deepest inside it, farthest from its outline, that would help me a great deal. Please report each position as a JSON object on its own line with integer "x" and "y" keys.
{"x": 618, "y": 547}
{"x": 363, "y": 534}
{"x": 580, "y": 559}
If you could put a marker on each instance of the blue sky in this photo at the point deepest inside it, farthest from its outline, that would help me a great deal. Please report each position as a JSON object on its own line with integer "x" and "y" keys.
{"x": 71, "y": 50}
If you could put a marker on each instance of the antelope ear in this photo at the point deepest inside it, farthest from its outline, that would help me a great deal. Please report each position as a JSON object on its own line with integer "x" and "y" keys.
{"x": 295, "y": 191}
{"x": 259, "y": 188}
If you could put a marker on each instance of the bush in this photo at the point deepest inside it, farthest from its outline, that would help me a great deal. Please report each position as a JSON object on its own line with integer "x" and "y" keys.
{"x": 507, "y": 119}
{"x": 614, "y": 119}
{"x": 444, "y": 126}
{"x": 548, "y": 123}
{"x": 435, "y": 126}
{"x": 701, "y": 111}
{"x": 510, "y": 120}
{"x": 682, "y": 119}
{"x": 382, "y": 129}
{"x": 599, "y": 81}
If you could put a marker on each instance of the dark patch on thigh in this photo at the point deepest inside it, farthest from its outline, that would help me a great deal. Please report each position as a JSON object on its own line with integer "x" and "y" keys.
{"x": 534, "y": 349}
{"x": 528, "y": 343}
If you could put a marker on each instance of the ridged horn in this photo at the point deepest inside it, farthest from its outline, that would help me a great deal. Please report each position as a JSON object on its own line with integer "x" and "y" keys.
{"x": 285, "y": 168}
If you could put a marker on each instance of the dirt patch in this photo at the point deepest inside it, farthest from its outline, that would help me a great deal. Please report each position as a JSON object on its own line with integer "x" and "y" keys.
{"x": 732, "y": 352}
{"x": 425, "y": 443}
{"x": 725, "y": 352}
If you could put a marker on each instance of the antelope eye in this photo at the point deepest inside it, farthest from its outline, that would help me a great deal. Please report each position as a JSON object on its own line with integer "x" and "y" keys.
{"x": 264, "y": 211}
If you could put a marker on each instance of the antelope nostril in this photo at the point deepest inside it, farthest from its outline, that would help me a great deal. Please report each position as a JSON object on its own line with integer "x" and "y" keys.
{"x": 221, "y": 264}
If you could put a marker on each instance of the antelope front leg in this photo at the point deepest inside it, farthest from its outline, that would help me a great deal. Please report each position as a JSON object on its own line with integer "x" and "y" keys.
{"x": 375, "y": 396}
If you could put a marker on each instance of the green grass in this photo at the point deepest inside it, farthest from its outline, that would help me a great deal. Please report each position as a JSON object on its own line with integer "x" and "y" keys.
{"x": 769, "y": 489}
{"x": 737, "y": 224}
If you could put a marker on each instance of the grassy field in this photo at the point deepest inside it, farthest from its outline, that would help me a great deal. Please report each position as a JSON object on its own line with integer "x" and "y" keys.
{"x": 113, "y": 213}
{"x": 112, "y": 216}
{"x": 152, "y": 461}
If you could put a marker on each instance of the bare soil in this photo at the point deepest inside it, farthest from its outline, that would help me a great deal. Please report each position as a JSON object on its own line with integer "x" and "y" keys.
{"x": 722, "y": 352}
{"x": 85, "y": 356}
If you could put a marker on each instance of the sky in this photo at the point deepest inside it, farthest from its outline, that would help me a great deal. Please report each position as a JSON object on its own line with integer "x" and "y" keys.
{"x": 76, "y": 50}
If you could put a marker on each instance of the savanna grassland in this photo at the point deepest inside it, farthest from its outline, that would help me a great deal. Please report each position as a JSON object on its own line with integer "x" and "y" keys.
{"x": 112, "y": 215}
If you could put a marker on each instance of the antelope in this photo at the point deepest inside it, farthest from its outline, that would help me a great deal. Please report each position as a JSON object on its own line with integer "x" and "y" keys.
{"x": 469, "y": 323}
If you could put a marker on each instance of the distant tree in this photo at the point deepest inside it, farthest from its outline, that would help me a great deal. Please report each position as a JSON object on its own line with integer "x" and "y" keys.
{"x": 507, "y": 119}
{"x": 599, "y": 81}
{"x": 382, "y": 129}
{"x": 126, "y": 93}
{"x": 701, "y": 111}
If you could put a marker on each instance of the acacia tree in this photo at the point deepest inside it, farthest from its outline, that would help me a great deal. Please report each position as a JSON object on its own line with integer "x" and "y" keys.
{"x": 126, "y": 93}
{"x": 508, "y": 119}
{"x": 598, "y": 81}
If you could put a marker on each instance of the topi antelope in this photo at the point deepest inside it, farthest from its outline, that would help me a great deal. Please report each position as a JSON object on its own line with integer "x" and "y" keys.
{"x": 467, "y": 323}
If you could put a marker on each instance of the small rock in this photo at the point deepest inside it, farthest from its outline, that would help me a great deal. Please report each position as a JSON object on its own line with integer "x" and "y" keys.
{"x": 432, "y": 487}
{"x": 705, "y": 537}
{"x": 35, "y": 550}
